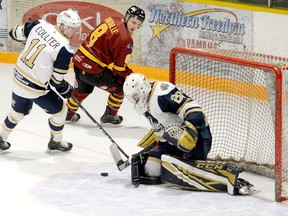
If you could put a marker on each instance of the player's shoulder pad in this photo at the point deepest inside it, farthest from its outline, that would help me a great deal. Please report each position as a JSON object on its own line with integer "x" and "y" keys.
{"x": 29, "y": 25}
{"x": 163, "y": 87}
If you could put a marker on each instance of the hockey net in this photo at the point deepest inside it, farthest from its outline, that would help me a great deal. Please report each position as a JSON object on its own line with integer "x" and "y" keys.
{"x": 245, "y": 98}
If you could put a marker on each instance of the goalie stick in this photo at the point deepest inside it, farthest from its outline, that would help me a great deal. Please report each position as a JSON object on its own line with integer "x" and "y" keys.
{"x": 115, "y": 152}
{"x": 117, "y": 157}
{"x": 114, "y": 147}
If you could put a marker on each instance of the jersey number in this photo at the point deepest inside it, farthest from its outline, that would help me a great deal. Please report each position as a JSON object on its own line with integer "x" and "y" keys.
{"x": 97, "y": 33}
{"x": 177, "y": 97}
{"x": 29, "y": 61}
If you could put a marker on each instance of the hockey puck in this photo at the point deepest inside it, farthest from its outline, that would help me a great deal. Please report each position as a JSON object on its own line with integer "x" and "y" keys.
{"x": 104, "y": 174}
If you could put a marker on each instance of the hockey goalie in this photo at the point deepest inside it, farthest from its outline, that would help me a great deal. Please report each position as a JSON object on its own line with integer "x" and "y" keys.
{"x": 176, "y": 148}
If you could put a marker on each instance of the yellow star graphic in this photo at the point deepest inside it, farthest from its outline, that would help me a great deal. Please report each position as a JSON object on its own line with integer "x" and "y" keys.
{"x": 158, "y": 29}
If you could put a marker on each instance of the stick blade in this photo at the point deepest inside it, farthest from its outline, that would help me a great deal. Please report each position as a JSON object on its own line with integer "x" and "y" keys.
{"x": 121, "y": 165}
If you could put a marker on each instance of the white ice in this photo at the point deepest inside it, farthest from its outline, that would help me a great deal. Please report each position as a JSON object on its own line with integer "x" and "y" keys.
{"x": 34, "y": 182}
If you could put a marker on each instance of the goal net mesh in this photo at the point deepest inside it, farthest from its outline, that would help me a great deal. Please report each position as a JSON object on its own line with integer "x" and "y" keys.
{"x": 238, "y": 95}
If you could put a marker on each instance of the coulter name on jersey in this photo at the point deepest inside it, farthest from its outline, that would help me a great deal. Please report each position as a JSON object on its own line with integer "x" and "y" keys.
{"x": 46, "y": 53}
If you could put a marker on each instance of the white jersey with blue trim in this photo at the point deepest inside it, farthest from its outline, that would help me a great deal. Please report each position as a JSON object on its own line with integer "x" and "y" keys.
{"x": 168, "y": 104}
{"x": 47, "y": 54}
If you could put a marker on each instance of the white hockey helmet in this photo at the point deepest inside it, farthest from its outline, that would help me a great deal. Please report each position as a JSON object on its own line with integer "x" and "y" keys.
{"x": 69, "y": 18}
{"x": 137, "y": 89}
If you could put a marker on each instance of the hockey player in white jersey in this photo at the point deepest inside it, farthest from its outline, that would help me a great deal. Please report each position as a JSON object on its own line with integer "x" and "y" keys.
{"x": 179, "y": 141}
{"x": 43, "y": 63}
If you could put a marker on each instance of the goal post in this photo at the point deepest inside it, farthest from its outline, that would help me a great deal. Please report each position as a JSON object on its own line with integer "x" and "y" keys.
{"x": 245, "y": 97}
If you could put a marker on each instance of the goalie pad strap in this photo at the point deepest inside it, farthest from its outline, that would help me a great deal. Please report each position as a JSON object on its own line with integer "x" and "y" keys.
{"x": 149, "y": 139}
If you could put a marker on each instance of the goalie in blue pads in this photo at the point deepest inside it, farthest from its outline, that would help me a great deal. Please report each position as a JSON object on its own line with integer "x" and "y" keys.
{"x": 179, "y": 129}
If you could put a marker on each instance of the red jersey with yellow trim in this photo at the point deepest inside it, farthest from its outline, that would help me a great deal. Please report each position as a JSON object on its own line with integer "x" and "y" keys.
{"x": 109, "y": 44}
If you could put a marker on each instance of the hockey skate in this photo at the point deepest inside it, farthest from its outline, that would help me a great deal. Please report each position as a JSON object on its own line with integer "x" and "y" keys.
{"x": 4, "y": 145}
{"x": 72, "y": 116}
{"x": 60, "y": 145}
{"x": 113, "y": 119}
{"x": 243, "y": 187}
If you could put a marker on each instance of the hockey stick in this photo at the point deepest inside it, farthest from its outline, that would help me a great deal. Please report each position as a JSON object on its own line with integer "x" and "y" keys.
{"x": 114, "y": 147}
{"x": 117, "y": 157}
{"x": 116, "y": 154}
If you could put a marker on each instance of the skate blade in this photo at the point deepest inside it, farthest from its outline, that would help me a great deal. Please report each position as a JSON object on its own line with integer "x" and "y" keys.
{"x": 110, "y": 125}
{"x": 49, "y": 151}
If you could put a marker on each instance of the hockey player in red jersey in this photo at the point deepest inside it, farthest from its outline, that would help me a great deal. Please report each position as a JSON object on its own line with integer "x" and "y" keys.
{"x": 101, "y": 61}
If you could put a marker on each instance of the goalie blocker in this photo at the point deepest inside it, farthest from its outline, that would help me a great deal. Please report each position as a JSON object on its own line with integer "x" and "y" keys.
{"x": 192, "y": 174}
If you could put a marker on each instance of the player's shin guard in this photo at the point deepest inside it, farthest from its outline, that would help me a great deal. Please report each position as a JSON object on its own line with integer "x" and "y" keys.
{"x": 199, "y": 175}
{"x": 138, "y": 175}
{"x": 73, "y": 106}
{"x": 10, "y": 123}
{"x": 56, "y": 123}
{"x": 114, "y": 102}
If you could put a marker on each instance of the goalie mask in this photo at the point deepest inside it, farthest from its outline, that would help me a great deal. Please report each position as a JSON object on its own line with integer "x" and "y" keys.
{"x": 70, "y": 21}
{"x": 137, "y": 89}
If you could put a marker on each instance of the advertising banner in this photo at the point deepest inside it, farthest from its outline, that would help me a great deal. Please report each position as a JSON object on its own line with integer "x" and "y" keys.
{"x": 91, "y": 15}
{"x": 190, "y": 25}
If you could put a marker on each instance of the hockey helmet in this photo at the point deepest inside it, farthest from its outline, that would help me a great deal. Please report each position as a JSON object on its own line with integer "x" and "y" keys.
{"x": 136, "y": 12}
{"x": 69, "y": 18}
{"x": 137, "y": 89}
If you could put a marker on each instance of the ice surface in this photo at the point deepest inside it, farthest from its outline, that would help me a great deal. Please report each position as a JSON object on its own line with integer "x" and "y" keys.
{"x": 35, "y": 182}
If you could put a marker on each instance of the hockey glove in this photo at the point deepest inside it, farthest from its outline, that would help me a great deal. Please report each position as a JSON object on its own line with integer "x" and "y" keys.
{"x": 64, "y": 89}
{"x": 17, "y": 34}
{"x": 184, "y": 136}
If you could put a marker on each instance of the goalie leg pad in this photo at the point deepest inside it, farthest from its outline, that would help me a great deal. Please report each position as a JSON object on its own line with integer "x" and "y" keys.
{"x": 138, "y": 175}
{"x": 232, "y": 176}
{"x": 137, "y": 167}
{"x": 243, "y": 187}
{"x": 153, "y": 167}
{"x": 199, "y": 175}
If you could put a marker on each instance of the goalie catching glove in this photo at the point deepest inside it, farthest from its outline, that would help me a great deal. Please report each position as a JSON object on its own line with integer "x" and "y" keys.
{"x": 184, "y": 136}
